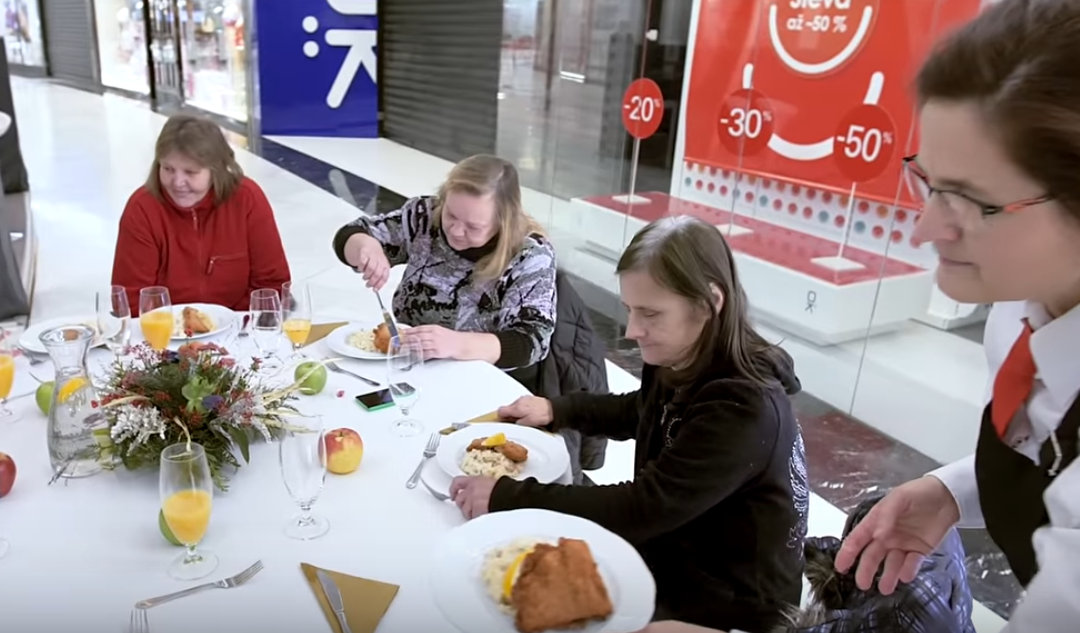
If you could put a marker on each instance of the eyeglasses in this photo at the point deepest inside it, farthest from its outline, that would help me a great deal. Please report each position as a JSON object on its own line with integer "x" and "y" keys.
{"x": 918, "y": 183}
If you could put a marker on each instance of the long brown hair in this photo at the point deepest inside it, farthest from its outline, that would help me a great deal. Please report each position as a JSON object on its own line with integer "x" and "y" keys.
{"x": 203, "y": 142}
{"x": 1018, "y": 61}
{"x": 690, "y": 257}
{"x": 481, "y": 175}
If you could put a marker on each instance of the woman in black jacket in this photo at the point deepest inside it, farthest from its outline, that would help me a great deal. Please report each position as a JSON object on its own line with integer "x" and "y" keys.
{"x": 718, "y": 505}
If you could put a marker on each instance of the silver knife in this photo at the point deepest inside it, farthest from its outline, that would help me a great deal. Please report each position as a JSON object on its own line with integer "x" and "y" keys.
{"x": 387, "y": 318}
{"x": 333, "y": 596}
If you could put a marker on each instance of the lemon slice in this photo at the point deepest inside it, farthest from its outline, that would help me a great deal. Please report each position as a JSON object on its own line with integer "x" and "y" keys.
{"x": 512, "y": 575}
{"x": 495, "y": 440}
{"x": 70, "y": 387}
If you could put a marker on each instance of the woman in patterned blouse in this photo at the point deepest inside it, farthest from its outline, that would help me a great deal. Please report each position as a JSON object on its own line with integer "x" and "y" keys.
{"x": 479, "y": 280}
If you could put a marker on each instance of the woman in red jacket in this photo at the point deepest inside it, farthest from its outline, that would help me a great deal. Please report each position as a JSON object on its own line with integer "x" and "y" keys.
{"x": 198, "y": 226}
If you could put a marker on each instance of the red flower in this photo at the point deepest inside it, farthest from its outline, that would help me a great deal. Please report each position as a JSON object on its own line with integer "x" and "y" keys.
{"x": 227, "y": 363}
{"x": 93, "y": 404}
{"x": 340, "y": 393}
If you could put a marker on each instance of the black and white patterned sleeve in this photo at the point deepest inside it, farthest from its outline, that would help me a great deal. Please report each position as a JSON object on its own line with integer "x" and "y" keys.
{"x": 395, "y": 230}
{"x": 528, "y": 306}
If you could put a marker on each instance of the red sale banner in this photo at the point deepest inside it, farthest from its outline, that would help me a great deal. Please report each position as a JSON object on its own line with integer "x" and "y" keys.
{"x": 812, "y": 91}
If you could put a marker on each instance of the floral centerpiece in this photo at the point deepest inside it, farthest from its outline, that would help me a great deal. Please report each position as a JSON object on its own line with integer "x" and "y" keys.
{"x": 199, "y": 393}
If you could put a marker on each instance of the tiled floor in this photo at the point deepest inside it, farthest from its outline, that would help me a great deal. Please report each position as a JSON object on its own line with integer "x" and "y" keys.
{"x": 87, "y": 153}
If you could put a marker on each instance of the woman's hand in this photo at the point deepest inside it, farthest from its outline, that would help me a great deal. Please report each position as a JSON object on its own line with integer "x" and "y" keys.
{"x": 906, "y": 525}
{"x": 528, "y": 411}
{"x": 437, "y": 341}
{"x": 472, "y": 494}
{"x": 674, "y": 626}
{"x": 365, "y": 254}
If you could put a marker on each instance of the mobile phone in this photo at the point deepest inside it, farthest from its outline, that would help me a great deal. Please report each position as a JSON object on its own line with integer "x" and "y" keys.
{"x": 381, "y": 399}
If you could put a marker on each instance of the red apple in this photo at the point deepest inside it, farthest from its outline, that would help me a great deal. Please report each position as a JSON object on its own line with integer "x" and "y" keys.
{"x": 7, "y": 474}
{"x": 344, "y": 450}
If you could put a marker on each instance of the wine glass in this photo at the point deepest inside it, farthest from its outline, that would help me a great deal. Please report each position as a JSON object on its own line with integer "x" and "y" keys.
{"x": 403, "y": 357}
{"x": 156, "y": 316}
{"x": 114, "y": 319}
{"x": 303, "y": 469}
{"x": 7, "y": 376}
{"x": 265, "y": 308}
{"x": 296, "y": 307}
{"x": 187, "y": 496}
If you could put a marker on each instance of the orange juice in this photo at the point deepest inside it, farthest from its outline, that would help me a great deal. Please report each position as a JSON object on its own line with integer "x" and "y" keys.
{"x": 297, "y": 330}
{"x": 7, "y": 374}
{"x": 188, "y": 514}
{"x": 157, "y": 328}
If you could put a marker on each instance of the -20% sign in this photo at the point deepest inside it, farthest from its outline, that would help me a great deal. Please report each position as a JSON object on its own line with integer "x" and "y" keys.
{"x": 642, "y": 108}
{"x": 865, "y": 143}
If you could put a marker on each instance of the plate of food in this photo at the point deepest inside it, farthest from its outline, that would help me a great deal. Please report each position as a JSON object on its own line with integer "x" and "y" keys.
{"x": 366, "y": 341}
{"x": 201, "y": 319}
{"x": 30, "y": 342}
{"x": 500, "y": 449}
{"x": 532, "y": 571}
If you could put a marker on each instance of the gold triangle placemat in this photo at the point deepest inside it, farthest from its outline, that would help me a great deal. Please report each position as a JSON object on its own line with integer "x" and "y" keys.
{"x": 366, "y": 601}
{"x": 319, "y": 331}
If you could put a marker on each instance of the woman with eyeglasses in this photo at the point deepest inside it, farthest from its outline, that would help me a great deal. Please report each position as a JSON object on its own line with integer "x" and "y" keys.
{"x": 998, "y": 171}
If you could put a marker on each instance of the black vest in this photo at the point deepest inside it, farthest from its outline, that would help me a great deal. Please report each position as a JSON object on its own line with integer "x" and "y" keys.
{"x": 1011, "y": 488}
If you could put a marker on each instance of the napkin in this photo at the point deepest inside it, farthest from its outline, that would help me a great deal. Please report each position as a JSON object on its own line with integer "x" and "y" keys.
{"x": 366, "y": 601}
{"x": 319, "y": 331}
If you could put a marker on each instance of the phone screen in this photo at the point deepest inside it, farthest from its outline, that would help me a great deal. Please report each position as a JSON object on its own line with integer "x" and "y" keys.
{"x": 380, "y": 399}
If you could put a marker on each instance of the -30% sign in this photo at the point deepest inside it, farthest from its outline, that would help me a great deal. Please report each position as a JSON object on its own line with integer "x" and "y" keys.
{"x": 642, "y": 108}
{"x": 746, "y": 122}
{"x": 865, "y": 143}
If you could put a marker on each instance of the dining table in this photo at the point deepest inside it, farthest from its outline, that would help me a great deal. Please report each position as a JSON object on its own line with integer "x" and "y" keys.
{"x": 84, "y": 551}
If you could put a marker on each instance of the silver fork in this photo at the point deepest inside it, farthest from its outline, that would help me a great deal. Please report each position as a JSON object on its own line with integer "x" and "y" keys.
{"x": 334, "y": 367}
{"x": 139, "y": 623}
{"x": 429, "y": 452}
{"x": 227, "y": 583}
{"x": 435, "y": 493}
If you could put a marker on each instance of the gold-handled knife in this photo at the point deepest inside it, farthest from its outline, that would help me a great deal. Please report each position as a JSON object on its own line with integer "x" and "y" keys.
{"x": 333, "y": 596}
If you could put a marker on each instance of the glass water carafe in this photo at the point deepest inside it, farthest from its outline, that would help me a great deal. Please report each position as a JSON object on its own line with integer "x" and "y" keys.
{"x": 73, "y": 416}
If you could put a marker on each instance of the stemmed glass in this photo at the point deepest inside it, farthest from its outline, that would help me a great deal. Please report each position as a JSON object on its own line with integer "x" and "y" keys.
{"x": 187, "y": 497}
{"x": 303, "y": 469}
{"x": 114, "y": 319}
{"x": 7, "y": 377}
{"x": 266, "y": 321}
{"x": 156, "y": 316}
{"x": 296, "y": 306}
{"x": 402, "y": 358}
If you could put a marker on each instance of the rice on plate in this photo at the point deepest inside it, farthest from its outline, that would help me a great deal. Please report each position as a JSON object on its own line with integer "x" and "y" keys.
{"x": 362, "y": 339}
{"x": 485, "y": 463}
{"x": 501, "y": 567}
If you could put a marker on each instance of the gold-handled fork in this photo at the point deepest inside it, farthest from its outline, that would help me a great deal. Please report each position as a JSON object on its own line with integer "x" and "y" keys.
{"x": 226, "y": 583}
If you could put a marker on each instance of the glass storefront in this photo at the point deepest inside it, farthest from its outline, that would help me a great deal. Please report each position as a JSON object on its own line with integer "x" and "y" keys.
{"x": 121, "y": 32}
{"x": 22, "y": 33}
{"x": 214, "y": 56}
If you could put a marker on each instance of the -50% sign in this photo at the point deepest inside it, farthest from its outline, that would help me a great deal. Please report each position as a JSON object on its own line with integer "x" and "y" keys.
{"x": 642, "y": 108}
{"x": 865, "y": 143}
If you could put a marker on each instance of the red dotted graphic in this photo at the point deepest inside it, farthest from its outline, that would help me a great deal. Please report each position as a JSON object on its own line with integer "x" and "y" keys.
{"x": 839, "y": 221}
{"x": 878, "y": 232}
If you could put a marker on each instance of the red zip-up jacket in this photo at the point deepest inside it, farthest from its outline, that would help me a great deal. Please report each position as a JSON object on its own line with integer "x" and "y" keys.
{"x": 204, "y": 254}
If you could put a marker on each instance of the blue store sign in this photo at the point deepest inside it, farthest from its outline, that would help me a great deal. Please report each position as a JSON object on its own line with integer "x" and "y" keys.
{"x": 317, "y": 68}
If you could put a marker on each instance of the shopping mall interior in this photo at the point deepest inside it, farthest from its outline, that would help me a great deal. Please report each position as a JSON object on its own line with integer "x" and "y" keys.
{"x": 894, "y": 378}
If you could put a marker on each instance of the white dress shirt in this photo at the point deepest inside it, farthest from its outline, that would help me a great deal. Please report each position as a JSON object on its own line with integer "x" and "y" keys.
{"x": 1052, "y": 602}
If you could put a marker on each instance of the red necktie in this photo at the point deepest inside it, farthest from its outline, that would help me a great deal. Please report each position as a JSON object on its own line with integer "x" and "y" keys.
{"x": 1013, "y": 382}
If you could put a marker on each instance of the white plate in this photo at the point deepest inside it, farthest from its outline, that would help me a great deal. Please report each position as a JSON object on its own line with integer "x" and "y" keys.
{"x": 548, "y": 457}
{"x": 337, "y": 341}
{"x": 221, "y": 316}
{"x": 459, "y": 590}
{"x": 30, "y": 342}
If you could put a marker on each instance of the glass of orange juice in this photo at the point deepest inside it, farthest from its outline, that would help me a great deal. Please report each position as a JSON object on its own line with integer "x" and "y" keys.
{"x": 187, "y": 496}
{"x": 156, "y": 316}
{"x": 7, "y": 376}
{"x": 296, "y": 306}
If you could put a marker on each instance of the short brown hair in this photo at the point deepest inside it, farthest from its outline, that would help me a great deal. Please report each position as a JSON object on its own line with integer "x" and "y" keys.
{"x": 1018, "y": 60}
{"x": 481, "y": 175}
{"x": 203, "y": 142}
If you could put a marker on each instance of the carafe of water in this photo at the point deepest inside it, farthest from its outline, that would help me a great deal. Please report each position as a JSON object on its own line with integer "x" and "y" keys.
{"x": 74, "y": 414}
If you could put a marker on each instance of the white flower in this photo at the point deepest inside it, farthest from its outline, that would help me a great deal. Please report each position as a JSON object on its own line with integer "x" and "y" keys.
{"x": 134, "y": 425}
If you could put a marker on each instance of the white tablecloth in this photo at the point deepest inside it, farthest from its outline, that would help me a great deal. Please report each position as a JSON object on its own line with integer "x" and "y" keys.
{"x": 84, "y": 551}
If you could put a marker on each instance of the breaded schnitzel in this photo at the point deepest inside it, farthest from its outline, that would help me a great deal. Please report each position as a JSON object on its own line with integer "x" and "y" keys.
{"x": 559, "y": 587}
{"x": 512, "y": 450}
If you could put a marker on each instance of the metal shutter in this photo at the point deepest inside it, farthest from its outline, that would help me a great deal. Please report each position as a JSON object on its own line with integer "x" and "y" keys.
{"x": 70, "y": 43}
{"x": 439, "y": 62}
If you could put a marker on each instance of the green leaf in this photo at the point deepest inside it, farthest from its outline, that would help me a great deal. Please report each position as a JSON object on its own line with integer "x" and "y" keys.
{"x": 241, "y": 438}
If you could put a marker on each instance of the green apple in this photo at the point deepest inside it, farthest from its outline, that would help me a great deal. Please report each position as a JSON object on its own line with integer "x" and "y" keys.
{"x": 315, "y": 382}
{"x": 165, "y": 531}
{"x": 44, "y": 396}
